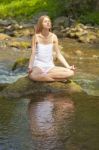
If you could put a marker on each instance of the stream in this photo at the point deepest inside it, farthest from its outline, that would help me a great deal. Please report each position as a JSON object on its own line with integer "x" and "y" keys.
{"x": 53, "y": 121}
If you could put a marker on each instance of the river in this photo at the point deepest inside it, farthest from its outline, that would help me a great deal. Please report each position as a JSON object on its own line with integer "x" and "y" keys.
{"x": 53, "y": 121}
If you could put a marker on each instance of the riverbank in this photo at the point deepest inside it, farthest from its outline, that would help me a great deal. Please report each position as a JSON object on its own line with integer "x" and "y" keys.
{"x": 18, "y": 34}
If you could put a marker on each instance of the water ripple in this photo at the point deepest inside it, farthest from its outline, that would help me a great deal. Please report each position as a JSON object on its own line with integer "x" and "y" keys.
{"x": 89, "y": 83}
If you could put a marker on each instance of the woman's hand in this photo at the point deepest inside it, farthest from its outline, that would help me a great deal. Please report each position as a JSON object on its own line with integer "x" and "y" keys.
{"x": 29, "y": 70}
{"x": 72, "y": 67}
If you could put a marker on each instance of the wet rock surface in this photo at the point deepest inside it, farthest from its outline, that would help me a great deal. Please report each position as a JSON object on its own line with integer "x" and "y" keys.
{"x": 24, "y": 86}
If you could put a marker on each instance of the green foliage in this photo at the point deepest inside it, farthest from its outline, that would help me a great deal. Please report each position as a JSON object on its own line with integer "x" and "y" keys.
{"x": 26, "y": 9}
{"x": 92, "y": 18}
{"x": 16, "y": 8}
{"x": 85, "y": 10}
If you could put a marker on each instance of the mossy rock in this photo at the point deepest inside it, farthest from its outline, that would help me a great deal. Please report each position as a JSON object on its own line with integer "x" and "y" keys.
{"x": 24, "y": 87}
{"x": 97, "y": 33}
{"x": 19, "y": 44}
{"x": 84, "y": 39}
{"x": 20, "y": 63}
{"x": 81, "y": 33}
{"x": 24, "y": 32}
{"x": 4, "y": 36}
{"x": 89, "y": 38}
{"x": 72, "y": 35}
{"x": 80, "y": 25}
{"x": 2, "y": 30}
{"x": 3, "y": 86}
{"x": 78, "y": 34}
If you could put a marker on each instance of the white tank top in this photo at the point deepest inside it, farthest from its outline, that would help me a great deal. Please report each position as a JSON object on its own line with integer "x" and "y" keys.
{"x": 44, "y": 55}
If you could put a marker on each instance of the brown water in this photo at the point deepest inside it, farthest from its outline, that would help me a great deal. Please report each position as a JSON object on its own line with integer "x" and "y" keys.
{"x": 56, "y": 121}
{"x": 86, "y": 59}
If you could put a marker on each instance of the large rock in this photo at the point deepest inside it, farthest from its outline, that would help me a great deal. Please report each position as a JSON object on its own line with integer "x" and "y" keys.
{"x": 24, "y": 87}
{"x": 5, "y": 22}
{"x": 24, "y": 32}
{"x": 20, "y": 44}
{"x": 89, "y": 38}
{"x": 83, "y": 33}
{"x": 4, "y": 36}
{"x": 61, "y": 21}
{"x": 3, "y": 86}
{"x": 20, "y": 63}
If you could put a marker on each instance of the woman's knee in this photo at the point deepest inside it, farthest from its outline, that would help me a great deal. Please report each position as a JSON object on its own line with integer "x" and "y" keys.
{"x": 71, "y": 73}
{"x": 31, "y": 76}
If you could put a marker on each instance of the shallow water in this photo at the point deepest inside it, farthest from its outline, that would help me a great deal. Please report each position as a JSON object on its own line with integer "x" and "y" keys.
{"x": 86, "y": 59}
{"x": 7, "y": 59}
{"x": 49, "y": 122}
{"x": 53, "y": 121}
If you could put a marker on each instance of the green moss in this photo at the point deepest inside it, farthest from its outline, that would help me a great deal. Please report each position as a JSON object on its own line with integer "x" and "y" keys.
{"x": 21, "y": 62}
{"x": 24, "y": 86}
{"x": 21, "y": 44}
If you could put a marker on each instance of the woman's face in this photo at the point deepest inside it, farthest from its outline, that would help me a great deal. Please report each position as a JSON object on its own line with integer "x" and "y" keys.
{"x": 46, "y": 23}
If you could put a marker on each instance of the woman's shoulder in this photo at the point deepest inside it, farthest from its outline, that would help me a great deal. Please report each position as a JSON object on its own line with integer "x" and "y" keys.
{"x": 55, "y": 38}
{"x": 35, "y": 36}
{"x": 54, "y": 35}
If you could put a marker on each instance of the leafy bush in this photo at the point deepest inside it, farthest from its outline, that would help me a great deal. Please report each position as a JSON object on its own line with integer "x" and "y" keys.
{"x": 84, "y": 11}
{"x": 26, "y": 8}
{"x": 91, "y": 17}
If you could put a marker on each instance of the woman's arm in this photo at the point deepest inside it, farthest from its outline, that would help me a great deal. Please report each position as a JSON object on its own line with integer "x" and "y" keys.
{"x": 32, "y": 54}
{"x": 59, "y": 55}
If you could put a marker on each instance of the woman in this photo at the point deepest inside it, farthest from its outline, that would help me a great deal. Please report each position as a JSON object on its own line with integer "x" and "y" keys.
{"x": 41, "y": 66}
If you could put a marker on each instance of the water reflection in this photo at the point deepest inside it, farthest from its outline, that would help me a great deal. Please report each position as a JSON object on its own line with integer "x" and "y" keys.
{"x": 50, "y": 119}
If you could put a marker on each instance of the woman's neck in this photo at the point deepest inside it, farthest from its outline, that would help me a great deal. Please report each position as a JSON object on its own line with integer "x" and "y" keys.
{"x": 45, "y": 33}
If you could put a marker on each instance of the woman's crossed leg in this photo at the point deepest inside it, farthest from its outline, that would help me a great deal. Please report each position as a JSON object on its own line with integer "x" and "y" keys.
{"x": 54, "y": 74}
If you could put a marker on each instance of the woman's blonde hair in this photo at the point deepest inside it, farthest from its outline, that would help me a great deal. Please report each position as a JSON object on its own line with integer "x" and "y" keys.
{"x": 39, "y": 26}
